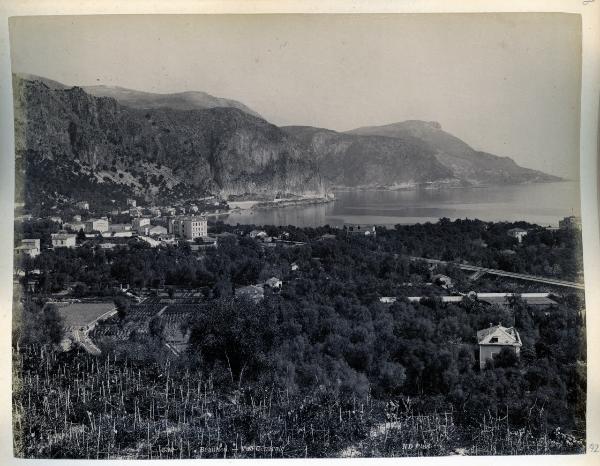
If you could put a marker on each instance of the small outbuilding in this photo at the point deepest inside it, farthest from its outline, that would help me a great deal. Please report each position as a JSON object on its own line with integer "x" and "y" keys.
{"x": 274, "y": 283}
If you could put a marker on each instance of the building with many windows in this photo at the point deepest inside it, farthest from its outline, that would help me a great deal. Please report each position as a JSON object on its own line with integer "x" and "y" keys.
{"x": 188, "y": 227}
{"x": 139, "y": 223}
{"x": 96, "y": 224}
{"x": 64, "y": 240}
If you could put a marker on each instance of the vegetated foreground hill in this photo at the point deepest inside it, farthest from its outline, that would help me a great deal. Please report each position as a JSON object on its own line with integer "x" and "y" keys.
{"x": 71, "y": 144}
{"x": 465, "y": 162}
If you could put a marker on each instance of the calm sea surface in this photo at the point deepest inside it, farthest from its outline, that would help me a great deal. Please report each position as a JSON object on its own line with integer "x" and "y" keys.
{"x": 543, "y": 203}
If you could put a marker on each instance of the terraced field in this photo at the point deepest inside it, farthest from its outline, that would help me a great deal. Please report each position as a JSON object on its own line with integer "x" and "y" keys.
{"x": 171, "y": 318}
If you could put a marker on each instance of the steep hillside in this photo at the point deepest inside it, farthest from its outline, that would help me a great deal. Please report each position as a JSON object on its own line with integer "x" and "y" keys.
{"x": 465, "y": 163}
{"x": 350, "y": 160}
{"x": 70, "y": 144}
{"x": 190, "y": 100}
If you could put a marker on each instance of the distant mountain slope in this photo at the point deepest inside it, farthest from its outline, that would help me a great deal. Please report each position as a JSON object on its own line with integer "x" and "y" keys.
{"x": 190, "y": 100}
{"x": 71, "y": 144}
{"x": 370, "y": 161}
{"x": 466, "y": 163}
{"x": 48, "y": 82}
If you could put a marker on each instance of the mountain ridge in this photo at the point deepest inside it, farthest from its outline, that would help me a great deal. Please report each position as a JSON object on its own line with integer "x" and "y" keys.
{"x": 185, "y": 100}
{"x": 466, "y": 163}
{"x": 70, "y": 143}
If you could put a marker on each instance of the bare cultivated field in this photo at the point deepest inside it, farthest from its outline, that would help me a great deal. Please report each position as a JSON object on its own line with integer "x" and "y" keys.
{"x": 81, "y": 314}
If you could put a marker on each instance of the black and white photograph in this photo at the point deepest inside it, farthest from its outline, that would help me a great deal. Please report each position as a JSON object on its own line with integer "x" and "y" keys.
{"x": 297, "y": 236}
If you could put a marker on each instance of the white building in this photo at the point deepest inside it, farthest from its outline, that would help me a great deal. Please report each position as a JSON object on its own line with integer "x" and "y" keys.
{"x": 96, "y": 224}
{"x": 517, "y": 233}
{"x": 138, "y": 224}
{"x": 188, "y": 228}
{"x": 64, "y": 240}
{"x": 74, "y": 226}
{"x": 29, "y": 247}
{"x": 388, "y": 299}
{"x": 274, "y": 283}
{"x": 493, "y": 339}
{"x": 151, "y": 241}
{"x": 122, "y": 234}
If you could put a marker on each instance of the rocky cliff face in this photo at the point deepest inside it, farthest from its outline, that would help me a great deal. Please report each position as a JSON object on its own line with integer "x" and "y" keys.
{"x": 349, "y": 160}
{"x": 67, "y": 138}
{"x": 465, "y": 163}
{"x": 190, "y": 100}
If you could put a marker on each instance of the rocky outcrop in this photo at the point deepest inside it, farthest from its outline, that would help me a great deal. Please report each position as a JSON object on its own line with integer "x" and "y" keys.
{"x": 465, "y": 163}
{"x": 65, "y": 135}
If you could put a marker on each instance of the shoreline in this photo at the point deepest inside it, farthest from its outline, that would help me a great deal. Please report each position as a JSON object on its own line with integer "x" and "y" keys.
{"x": 241, "y": 206}
{"x": 437, "y": 186}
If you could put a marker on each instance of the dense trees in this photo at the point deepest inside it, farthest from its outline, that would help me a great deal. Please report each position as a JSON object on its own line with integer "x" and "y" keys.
{"x": 302, "y": 341}
{"x": 36, "y": 324}
{"x": 327, "y": 331}
{"x": 379, "y": 265}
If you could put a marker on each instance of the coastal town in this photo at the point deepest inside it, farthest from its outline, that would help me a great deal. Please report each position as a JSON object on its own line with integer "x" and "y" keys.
{"x": 137, "y": 226}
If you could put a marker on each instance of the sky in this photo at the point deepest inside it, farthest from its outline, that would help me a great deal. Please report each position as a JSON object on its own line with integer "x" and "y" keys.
{"x": 508, "y": 84}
